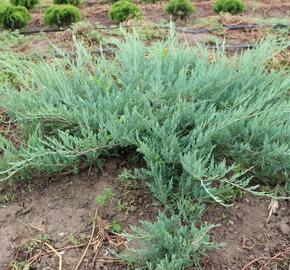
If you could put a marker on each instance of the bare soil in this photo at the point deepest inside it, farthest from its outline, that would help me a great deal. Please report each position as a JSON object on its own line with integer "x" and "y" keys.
{"x": 61, "y": 210}
{"x": 247, "y": 234}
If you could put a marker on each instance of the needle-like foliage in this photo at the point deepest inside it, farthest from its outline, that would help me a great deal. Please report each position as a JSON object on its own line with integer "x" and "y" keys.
{"x": 198, "y": 118}
{"x": 204, "y": 123}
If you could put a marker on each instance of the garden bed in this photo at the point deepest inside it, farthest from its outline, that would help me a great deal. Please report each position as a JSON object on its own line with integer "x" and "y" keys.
{"x": 164, "y": 132}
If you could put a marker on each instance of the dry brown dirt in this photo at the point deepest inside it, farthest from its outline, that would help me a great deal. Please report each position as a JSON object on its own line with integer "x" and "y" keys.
{"x": 61, "y": 209}
{"x": 247, "y": 234}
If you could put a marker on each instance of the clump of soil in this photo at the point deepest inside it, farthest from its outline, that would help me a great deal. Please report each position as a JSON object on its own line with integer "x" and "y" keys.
{"x": 247, "y": 234}
{"x": 59, "y": 211}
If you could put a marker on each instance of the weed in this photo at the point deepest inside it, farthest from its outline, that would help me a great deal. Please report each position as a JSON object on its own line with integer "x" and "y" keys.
{"x": 105, "y": 197}
{"x": 120, "y": 206}
{"x": 126, "y": 176}
{"x": 73, "y": 240}
{"x": 32, "y": 245}
{"x": 19, "y": 265}
{"x": 115, "y": 226}
{"x": 87, "y": 33}
{"x": 7, "y": 198}
{"x": 43, "y": 237}
{"x": 212, "y": 40}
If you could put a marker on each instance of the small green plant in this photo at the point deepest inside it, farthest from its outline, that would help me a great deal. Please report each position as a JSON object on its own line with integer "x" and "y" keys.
{"x": 123, "y": 10}
{"x": 105, "y": 197}
{"x": 231, "y": 6}
{"x": 67, "y": 2}
{"x": 29, "y": 4}
{"x": 115, "y": 226}
{"x": 212, "y": 41}
{"x": 126, "y": 176}
{"x": 62, "y": 15}
{"x": 12, "y": 17}
{"x": 43, "y": 237}
{"x": 19, "y": 265}
{"x": 7, "y": 198}
{"x": 180, "y": 8}
{"x": 87, "y": 33}
{"x": 120, "y": 206}
{"x": 73, "y": 240}
{"x": 32, "y": 245}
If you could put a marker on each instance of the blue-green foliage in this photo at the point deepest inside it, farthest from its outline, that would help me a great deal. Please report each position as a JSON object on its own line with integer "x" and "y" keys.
{"x": 172, "y": 245}
{"x": 185, "y": 110}
{"x": 204, "y": 124}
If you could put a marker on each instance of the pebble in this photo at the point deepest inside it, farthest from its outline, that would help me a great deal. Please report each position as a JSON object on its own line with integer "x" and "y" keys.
{"x": 123, "y": 218}
{"x": 284, "y": 227}
{"x": 133, "y": 208}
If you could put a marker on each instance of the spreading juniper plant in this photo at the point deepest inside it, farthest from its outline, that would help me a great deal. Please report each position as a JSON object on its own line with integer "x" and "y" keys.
{"x": 205, "y": 124}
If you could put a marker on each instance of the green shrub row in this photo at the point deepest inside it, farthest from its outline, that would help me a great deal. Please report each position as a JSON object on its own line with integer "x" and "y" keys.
{"x": 17, "y": 17}
{"x": 63, "y": 13}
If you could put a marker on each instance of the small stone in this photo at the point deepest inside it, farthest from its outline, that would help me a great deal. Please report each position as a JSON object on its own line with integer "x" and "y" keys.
{"x": 284, "y": 227}
{"x": 123, "y": 218}
{"x": 133, "y": 208}
{"x": 266, "y": 250}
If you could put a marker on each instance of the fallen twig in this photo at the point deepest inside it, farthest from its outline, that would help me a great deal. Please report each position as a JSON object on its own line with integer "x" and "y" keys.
{"x": 57, "y": 253}
{"x": 90, "y": 241}
{"x": 287, "y": 250}
{"x": 253, "y": 261}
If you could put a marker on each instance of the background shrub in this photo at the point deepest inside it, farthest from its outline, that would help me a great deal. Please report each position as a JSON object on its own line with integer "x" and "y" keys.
{"x": 180, "y": 8}
{"x": 67, "y": 2}
{"x": 150, "y": 1}
{"x": 12, "y": 17}
{"x": 231, "y": 6}
{"x": 2, "y": 9}
{"x": 62, "y": 15}
{"x": 25, "y": 3}
{"x": 122, "y": 10}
